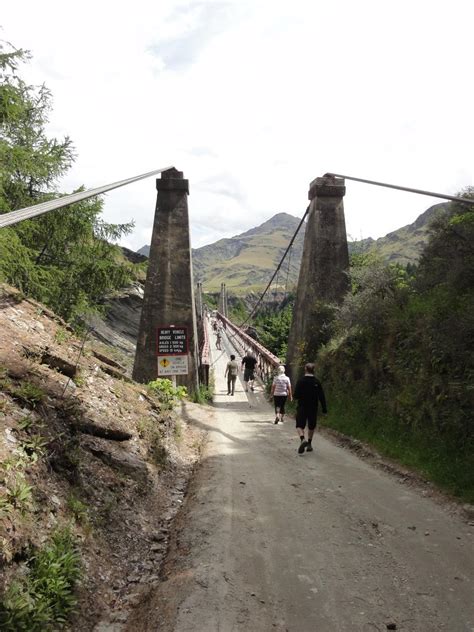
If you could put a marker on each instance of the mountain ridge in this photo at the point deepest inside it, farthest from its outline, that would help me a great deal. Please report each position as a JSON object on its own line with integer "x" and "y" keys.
{"x": 246, "y": 261}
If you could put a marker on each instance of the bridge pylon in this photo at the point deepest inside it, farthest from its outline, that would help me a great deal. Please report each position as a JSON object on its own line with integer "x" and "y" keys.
{"x": 223, "y": 300}
{"x": 199, "y": 304}
{"x": 323, "y": 275}
{"x": 169, "y": 293}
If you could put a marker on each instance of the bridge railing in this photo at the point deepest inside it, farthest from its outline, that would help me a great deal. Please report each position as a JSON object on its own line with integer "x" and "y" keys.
{"x": 266, "y": 361}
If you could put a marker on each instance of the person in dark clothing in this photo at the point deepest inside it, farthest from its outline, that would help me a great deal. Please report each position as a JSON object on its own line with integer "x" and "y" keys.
{"x": 308, "y": 392}
{"x": 248, "y": 364}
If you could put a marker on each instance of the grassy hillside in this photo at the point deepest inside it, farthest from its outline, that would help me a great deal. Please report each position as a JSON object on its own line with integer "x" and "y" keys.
{"x": 405, "y": 244}
{"x": 246, "y": 262}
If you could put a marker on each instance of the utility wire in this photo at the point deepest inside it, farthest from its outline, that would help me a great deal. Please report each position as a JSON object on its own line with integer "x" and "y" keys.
{"x": 277, "y": 270}
{"x": 400, "y": 188}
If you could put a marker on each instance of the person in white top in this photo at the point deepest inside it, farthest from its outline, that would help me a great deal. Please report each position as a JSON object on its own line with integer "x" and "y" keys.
{"x": 281, "y": 391}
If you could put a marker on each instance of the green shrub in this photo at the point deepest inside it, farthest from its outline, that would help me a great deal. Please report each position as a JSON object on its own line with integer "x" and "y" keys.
{"x": 203, "y": 395}
{"x": 78, "y": 509}
{"x": 43, "y": 598}
{"x": 34, "y": 446}
{"x": 164, "y": 390}
{"x": 29, "y": 393}
{"x": 149, "y": 431}
{"x": 61, "y": 335}
{"x": 18, "y": 492}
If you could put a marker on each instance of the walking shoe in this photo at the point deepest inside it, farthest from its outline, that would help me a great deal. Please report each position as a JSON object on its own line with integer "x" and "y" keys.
{"x": 302, "y": 447}
{"x": 309, "y": 448}
{"x": 276, "y": 420}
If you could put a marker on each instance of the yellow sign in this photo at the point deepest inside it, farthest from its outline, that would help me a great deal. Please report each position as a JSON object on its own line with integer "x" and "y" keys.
{"x": 172, "y": 365}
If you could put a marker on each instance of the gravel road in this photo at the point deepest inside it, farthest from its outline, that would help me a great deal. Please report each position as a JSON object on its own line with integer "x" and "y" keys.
{"x": 270, "y": 540}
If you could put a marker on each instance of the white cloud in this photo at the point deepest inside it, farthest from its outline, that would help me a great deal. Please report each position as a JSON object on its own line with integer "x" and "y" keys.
{"x": 254, "y": 99}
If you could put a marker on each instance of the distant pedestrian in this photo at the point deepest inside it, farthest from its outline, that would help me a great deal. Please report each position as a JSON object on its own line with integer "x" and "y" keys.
{"x": 281, "y": 390}
{"x": 308, "y": 392}
{"x": 231, "y": 371}
{"x": 248, "y": 364}
{"x": 218, "y": 341}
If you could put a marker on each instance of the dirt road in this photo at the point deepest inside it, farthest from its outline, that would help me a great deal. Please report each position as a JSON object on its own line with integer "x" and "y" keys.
{"x": 270, "y": 540}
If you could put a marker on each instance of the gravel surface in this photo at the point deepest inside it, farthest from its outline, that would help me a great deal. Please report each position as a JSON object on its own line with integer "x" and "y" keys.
{"x": 270, "y": 540}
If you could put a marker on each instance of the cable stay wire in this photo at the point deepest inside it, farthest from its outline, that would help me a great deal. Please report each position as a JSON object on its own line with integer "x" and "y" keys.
{"x": 250, "y": 316}
{"x": 443, "y": 196}
{"x": 13, "y": 217}
{"x": 231, "y": 336}
{"x": 288, "y": 273}
{"x": 275, "y": 288}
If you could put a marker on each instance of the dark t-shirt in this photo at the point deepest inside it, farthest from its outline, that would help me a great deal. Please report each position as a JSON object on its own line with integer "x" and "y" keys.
{"x": 249, "y": 362}
{"x": 308, "y": 392}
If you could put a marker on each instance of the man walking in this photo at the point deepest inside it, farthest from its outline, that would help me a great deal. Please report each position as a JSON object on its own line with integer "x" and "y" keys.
{"x": 308, "y": 392}
{"x": 231, "y": 372}
{"x": 248, "y": 364}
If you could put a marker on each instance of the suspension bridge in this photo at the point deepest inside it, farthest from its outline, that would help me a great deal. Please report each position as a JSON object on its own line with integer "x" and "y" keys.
{"x": 267, "y": 540}
{"x": 173, "y": 300}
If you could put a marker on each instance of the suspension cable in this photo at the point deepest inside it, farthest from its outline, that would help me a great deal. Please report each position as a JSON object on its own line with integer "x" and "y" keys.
{"x": 288, "y": 273}
{"x": 400, "y": 188}
{"x": 275, "y": 288}
{"x": 277, "y": 269}
{"x": 13, "y": 217}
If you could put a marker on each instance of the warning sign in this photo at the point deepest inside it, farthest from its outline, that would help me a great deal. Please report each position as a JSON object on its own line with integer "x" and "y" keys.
{"x": 172, "y": 341}
{"x": 172, "y": 365}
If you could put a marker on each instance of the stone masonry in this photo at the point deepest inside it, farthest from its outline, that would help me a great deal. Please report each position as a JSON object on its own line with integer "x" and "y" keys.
{"x": 169, "y": 297}
{"x": 324, "y": 266}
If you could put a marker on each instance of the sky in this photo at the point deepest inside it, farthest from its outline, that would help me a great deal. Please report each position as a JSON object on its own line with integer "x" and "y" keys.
{"x": 253, "y": 99}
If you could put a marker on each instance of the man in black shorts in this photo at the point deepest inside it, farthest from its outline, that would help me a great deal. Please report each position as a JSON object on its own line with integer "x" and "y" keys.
{"x": 308, "y": 392}
{"x": 248, "y": 365}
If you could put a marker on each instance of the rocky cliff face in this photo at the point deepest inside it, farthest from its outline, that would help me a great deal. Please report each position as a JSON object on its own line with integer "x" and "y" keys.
{"x": 119, "y": 328}
{"x": 91, "y": 453}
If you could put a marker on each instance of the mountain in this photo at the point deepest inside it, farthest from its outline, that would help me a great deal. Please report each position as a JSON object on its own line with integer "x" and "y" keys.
{"x": 246, "y": 262}
{"x": 405, "y": 244}
{"x": 144, "y": 251}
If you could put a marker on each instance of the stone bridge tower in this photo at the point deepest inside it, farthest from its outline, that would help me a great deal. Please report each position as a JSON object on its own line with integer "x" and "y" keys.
{"x": 169, "y": 296}
{"x": 323, "y": 275}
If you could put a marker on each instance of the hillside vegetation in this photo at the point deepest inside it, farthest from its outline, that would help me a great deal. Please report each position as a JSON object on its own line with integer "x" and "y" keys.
{"x": 92, "y": 466}
{"x": 396, "y": 357}
{"x": 64, "y": 259}
{"x": 92, "y": 469}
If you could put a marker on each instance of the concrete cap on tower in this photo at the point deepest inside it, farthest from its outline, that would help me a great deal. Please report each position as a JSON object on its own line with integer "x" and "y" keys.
{"x": 327, "y": 186}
